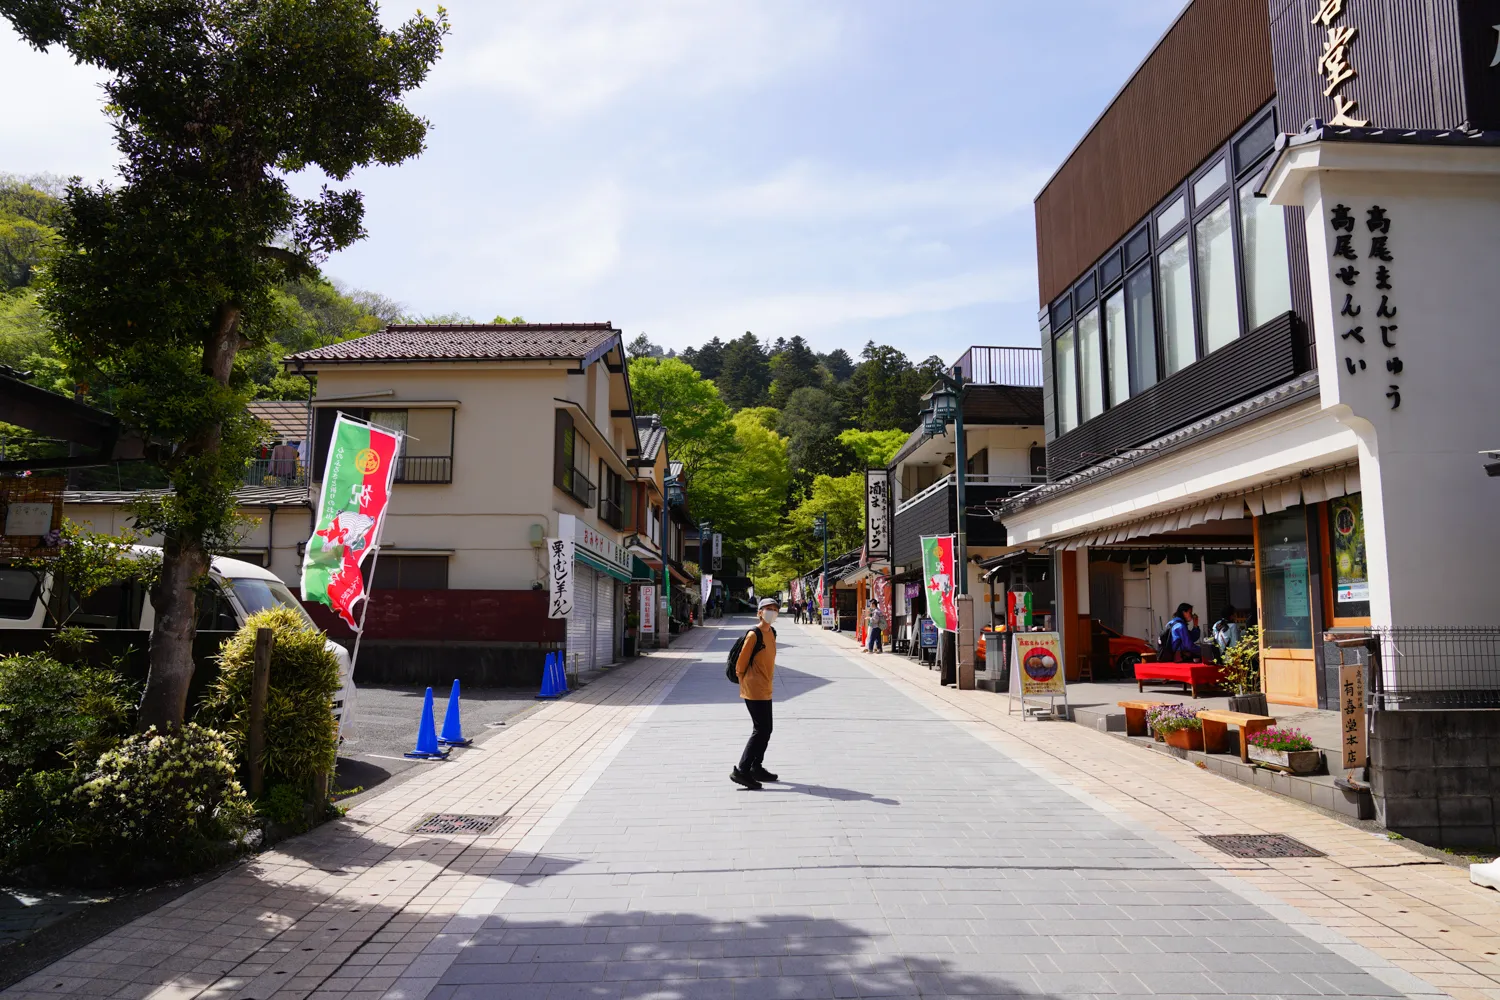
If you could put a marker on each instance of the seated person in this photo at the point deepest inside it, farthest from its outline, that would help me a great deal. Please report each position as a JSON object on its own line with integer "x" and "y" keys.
{"x": 1179, "y": 642}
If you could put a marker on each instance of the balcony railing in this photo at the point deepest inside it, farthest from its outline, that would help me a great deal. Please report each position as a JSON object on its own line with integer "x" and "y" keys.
{"x": 581, "y": 488}
{"x": 424, "y": 469}
{"x": 275, "y": 472}
{"x": 971, "y": 481}
{"x": 1002, "y": 366}
{"x": 611, "y": 513}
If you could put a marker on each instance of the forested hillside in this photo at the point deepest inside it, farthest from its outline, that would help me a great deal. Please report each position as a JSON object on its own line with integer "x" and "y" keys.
{"x": 774, "y": 434}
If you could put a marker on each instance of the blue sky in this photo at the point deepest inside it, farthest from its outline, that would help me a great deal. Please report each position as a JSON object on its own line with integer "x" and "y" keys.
{"x": 846, "y": 171}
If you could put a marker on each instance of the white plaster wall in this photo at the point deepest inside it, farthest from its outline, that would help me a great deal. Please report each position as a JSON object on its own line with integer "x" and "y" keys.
{"x": 1431, "y": 531}
{"x": 1152, "y": 595}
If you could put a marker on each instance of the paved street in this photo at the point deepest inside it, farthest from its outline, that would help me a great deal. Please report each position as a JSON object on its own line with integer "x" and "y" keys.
{"x": 920, "y": 844}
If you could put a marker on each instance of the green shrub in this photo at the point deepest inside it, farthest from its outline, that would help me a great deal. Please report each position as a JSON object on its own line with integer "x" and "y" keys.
{"x": 301, "y": 734}
{"x": 53, "y": 714}
{"x": 154, "y": 805}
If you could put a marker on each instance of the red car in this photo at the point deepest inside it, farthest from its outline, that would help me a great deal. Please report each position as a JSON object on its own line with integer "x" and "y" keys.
{"x": 1124, "y": 650}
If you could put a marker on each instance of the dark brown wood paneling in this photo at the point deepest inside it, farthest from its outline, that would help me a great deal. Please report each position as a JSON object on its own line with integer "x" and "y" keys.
{"x": 1260, "y": 360}
{"x": 1406, "y": 55}
{"x": 1205, "y": 79}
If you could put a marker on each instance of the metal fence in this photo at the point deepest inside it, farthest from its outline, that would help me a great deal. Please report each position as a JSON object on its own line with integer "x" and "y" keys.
{"x": 1002, "y": 365}
{"x": 275, "y": 472}
{"x": 1427, "y": 666}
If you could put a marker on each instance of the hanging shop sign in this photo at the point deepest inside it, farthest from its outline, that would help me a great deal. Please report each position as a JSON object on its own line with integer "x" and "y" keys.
{"x": 1353, "y": 739}
{"x": 351, "y": 512}
{"x": 596, "y": 544}
{"x": 877, "y": 513}
{"x": 938, "y": 574}
{"x": 560, "y": 556}
{"x": 718, "y": 551}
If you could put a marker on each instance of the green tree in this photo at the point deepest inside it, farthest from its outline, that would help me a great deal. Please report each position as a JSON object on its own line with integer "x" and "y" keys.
{"x": 513, "y": 321}
{"x": 708, "y": 359}
{"x": 163, "y": 279}
{"x": 874, "y": 449}
{"x": 697, "y": 421}
{"x": 810, "y": 423}
{"x": 641, "y": 347}
{"x": 793, "y": 367}
{"x": 769, "y": 416}
{"x": 745, "y": 498}
{"x": 746, "y": 373}
{"x": 30, "y": 213}
{"x": 795, "y": 549}
{"x": 837, "y": 364}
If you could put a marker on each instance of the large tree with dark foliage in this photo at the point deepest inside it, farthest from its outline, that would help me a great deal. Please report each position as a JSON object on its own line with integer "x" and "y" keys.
{"x": 162, "y": 280}
{"x": 793, "y": 367}
{"x": 707, "y": 360}
{"x": 745, "y": 377}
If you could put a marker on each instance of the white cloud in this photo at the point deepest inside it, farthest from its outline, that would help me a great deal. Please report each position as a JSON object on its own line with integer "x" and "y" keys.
{"x": 53, "y": 119}
{"x": 817, "y": 193}
{"x": 569, "y": 57}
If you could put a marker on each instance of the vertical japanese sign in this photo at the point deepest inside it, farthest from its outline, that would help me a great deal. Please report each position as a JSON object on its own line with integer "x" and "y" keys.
{"x": 560, "y": 556}
{"x": 648, "y": 609}
{"x": 1348, "y": 244}
{"x": 1334, "y": 65}
{"x": 351, "y": 512}
{"x": 1352, "y": 715}
{"x": 718, "y": 562}
{"x": 877, "y": 512}
{"x": 937, "y": 573}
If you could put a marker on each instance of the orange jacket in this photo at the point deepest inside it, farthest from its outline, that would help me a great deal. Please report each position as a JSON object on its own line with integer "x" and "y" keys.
{"x": 756, "y": 679}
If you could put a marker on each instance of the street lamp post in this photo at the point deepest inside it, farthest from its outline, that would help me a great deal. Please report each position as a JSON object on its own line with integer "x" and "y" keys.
{"x": 946, "y": 405}
{"x": 821, "y": 529}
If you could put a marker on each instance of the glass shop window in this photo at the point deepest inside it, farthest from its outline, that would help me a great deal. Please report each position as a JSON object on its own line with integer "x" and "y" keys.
{"x": 1067, "y": 382}
{"x": 1141, "y": 316}
{"x": 1116, "y": 346}
{"x": 1268, "y": 280}
{"x": 1178, "y": 334}
{"x": 1090, "y": 365}
{"x": 1286, "y": 600}
{"x": 1218, "y": 299}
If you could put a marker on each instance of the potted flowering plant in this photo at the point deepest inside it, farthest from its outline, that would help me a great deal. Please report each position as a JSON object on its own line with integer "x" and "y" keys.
{"x": 1242, "y": 674}
{"x": 1177, "y": 725}
{"x": 1290, "y": 749}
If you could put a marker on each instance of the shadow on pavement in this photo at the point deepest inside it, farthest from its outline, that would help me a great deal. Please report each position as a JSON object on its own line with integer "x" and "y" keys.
{"x": 690, "y": 956}
{"x": 828, "y": 792}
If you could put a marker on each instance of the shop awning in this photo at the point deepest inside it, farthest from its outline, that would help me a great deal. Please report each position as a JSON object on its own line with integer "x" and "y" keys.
{"x": 1265, "y": 499}
{"x": 589, "y": 559}
{"x": 640, "y": 572}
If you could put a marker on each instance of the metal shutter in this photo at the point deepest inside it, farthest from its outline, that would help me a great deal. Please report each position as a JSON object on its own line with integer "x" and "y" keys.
{"x": 581, "y": 625}
{"x": 604, "y": 621}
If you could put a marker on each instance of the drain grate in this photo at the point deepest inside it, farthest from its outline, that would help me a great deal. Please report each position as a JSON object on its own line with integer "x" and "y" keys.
{"x": 457, "y": 823}
{"x": 1261, "y": 845}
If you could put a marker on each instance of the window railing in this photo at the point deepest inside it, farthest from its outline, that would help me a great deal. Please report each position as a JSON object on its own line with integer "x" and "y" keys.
{"x": 971, "y": 480}
{"x": 581, "y": 488}
{"x": 424, "y": 469}
{"x": 275, "y": 472}
{"x": 611, "y": 513}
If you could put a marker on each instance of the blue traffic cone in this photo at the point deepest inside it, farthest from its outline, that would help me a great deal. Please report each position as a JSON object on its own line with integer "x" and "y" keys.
{"x": 427, "y": 741}
{"x": 549, "y": 679}
{"x": 562, "y": 674}
{"x": 453, "y": 730}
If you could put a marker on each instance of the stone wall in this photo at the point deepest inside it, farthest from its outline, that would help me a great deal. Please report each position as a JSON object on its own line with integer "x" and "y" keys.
{"x": 1436, "y": 776}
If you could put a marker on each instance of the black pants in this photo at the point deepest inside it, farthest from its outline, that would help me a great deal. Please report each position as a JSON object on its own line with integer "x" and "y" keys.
{"x": 760, "y": 737}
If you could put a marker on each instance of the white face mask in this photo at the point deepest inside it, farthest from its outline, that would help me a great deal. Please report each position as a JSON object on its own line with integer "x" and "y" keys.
{"x": 769, "y": 615}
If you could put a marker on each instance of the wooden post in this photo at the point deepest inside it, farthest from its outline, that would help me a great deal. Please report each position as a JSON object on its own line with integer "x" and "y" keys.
{"x": 260, "y": 687}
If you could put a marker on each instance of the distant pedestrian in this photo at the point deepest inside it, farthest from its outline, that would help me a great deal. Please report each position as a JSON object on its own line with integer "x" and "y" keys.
{"x": 874, "y": 623}
{"x": 757, "y": 671}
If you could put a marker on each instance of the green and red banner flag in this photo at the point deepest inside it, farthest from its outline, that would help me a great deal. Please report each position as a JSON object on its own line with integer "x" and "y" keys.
{"x": 351, "y": 511}
{"x": 937, "y": 573}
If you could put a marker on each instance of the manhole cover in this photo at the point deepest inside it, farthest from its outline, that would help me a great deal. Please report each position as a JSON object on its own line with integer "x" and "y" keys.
{"x": 457, "y": 823}
{"x": 1261, "y": 845}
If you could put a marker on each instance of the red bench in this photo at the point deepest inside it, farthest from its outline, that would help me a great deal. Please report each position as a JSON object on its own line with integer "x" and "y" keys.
{"x": 1194, "y": 675}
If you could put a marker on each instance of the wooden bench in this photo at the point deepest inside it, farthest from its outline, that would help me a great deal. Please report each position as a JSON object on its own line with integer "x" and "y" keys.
{"x": 1135, "y": 715}
{"x": 1194, "y": 675}
{"x": 1216, "y": 725}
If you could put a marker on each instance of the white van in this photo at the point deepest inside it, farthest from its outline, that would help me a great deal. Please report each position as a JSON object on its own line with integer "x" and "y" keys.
{"x": 237, "y": 589}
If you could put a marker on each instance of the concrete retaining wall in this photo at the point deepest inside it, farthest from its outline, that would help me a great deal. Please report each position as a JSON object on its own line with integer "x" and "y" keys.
{"x": 1436, "y": 776}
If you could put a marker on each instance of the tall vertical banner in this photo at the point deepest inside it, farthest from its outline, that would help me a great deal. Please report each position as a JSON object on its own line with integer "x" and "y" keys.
{"x": 560, "y": 556}
{"x": 708, "y": 586}
{"x": 877, "y": 513}
{"x": 1353, "y": 740}
{"x": 648, "y": 610}
{"x": 938, "y": 576}
{"x": 718, "y": 551}
{"x": 351, "y": 512}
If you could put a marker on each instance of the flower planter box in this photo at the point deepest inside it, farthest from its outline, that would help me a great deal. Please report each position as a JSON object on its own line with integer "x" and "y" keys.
{"x": 1295, "y": 761}
{"x": 1186, "y": 739}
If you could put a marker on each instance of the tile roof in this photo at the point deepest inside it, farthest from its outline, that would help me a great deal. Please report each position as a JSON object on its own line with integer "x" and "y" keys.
{"x": 247, "y": 496}
{"x": 468, "y": 342}
{"x": 652, "y": 434}
{"x": 288, "y": 418}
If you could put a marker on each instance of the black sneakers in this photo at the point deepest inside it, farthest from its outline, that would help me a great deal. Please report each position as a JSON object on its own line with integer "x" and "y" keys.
{"x": 761, "y": 774}
{"x": 748, "y": 781}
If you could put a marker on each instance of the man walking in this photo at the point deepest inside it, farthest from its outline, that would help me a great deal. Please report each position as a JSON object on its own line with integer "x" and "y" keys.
{"x": 757, "y": 670}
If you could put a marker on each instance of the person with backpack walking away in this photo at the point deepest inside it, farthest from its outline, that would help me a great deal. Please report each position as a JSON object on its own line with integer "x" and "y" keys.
{"x": 1178, "y": 642}
{"x": 874, "y": 623}
{"x": 752, "y": 662}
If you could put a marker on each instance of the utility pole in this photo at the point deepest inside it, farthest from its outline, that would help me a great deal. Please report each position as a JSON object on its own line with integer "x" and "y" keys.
{"x": 821, "y": 529}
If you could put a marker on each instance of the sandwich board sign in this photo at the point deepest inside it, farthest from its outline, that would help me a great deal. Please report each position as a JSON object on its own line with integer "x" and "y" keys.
{"x": 1037, "y": 673}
